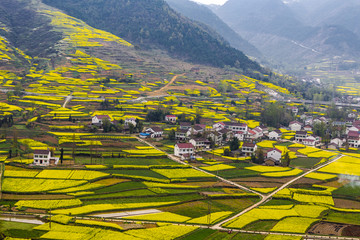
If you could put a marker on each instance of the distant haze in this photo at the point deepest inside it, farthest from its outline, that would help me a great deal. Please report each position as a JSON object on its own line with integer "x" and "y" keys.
{"x": 218, "y": 2}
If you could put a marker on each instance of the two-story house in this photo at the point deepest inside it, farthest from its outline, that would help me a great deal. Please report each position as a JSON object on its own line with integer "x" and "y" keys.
{"x": 182, "y": 149}
{"x": 43, "y": 158}
{"x": 248, "y": 149}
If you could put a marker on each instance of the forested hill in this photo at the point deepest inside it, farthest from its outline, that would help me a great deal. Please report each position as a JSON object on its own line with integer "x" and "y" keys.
{"x": 204, "y": 15}
{"x": 26, "y": 29}
{"x": 152, "y": 23}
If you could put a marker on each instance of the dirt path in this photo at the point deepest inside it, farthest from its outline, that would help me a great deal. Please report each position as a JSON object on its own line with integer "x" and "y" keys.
{"x": 67, "y": 100}
{"x": 269, "y": 197}
{"x": 176, "y": 159}
{"x": 162, "y": 90}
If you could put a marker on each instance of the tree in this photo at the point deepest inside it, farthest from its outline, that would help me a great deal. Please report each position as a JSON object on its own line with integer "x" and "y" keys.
{"x": 286, "y": 160}
{"x": 156, "y": 116}
{"x": 131, "y": 128}
{"x": 9, "y": 95}
{"x": 61, "y": 155}
{"x": 106, "y": 124}
{"x": 212, "y": 142}
{"x": 119, "y": 127}
{"x": 227, "y": 152}
{"x": 275, "y": 115}
{"x": 259, "y": 156}
{"x": 171, "y": 135}
{"x": 234, "y": 144}
{"x": 140, "y": 126}
{"x": 320, "y": 129}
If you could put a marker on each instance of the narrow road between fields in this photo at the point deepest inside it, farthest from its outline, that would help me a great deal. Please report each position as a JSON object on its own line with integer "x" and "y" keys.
{"x": 264, "y": 198}
{"x": 268, "y": 197}
{"x": 162, "y": 90}
{"x": 67, "y": 100}
{"x": 176, "y": 159}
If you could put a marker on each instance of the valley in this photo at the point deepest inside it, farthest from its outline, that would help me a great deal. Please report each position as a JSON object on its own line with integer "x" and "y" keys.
{"x": 108, "y": 134}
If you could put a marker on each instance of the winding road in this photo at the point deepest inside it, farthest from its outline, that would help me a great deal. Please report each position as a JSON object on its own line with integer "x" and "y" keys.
{"x": 264, "y": 198}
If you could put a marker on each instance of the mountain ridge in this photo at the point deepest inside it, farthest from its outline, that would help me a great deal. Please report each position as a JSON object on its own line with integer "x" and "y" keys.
{"x": 203, "y": 14}
{"x": 135, "y": 22}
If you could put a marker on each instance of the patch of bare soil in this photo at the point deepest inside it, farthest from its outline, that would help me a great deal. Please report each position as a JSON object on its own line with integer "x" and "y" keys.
{"x": 345, "y": 203}
{"x": 259, "y": 184}
{"x": 326, "y": 228}
{"x": 335, "y": 184}
{"x": 307, "y": 181}
{"x": 351, "y": 231}
{"x": 263, "y": 179}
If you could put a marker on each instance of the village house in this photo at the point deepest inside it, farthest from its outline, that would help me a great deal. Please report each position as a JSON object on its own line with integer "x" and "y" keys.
{"x": 275, "y": 135}
{"x": 219, "y": 126}
{"x": 152, "y": 132}
{"x": 312, "y": 141}
{"x": 353, "y": 129}
{"x": 182, "y": 149}
{"x": 240, "y": 135}
{"x": 308, "y": 128}
{"x": 352, "y": 115}
{"x": 273, "y": 157}
{"x": 300, "y": 136}
{"x": 200, "y": 143}
{"x": 98, "y": 119}
{"x": 333, "y": 146}
{"x": 338, "y": 142}
{"x": 294, "y": 110}
{"x": 353, "y": 139}
{"x": 43, "y": 158}
{"x": 171, "y": 119}
{"x": 248, "y": 149}
{"x": 185, "y": 125}
{"x": 129, "y": 121}
{"x": 236, "y": 127}
{"x": 181, "y": 135}
{"x": 229, "y": 134}
{"x": 255, "y": 133}
{"x": 295, "y": 126}
{"x": 216, "y": 137}
{"x": 196, "y": 130}
{"x": 349, "y": 122}
{"x": 320, "y": 120}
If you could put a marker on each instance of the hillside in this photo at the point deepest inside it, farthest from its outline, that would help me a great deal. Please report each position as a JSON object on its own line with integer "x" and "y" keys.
{"x": 154, "y": 24}
{"x": 204, "y": 15}
{"x": 27, "y": 29}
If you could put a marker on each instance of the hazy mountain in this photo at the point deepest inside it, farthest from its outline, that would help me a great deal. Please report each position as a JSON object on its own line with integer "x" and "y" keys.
{"x": 277, "y": 30}
{"x": 265, "y": 16}
{"x": 152, "y": 23}
{"x": 203, "y": 14}
{"x": 345, "y": 13}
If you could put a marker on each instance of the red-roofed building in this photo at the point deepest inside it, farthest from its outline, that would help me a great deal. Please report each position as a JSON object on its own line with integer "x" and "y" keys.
{"x": 313, "y": 141}
{"x": 171, "y": 118}
{"x": 183, "y": 149}
{"x": 219, "y": 126}
{"x": 274, "y": 155}
{"x": 295, "y": 126}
